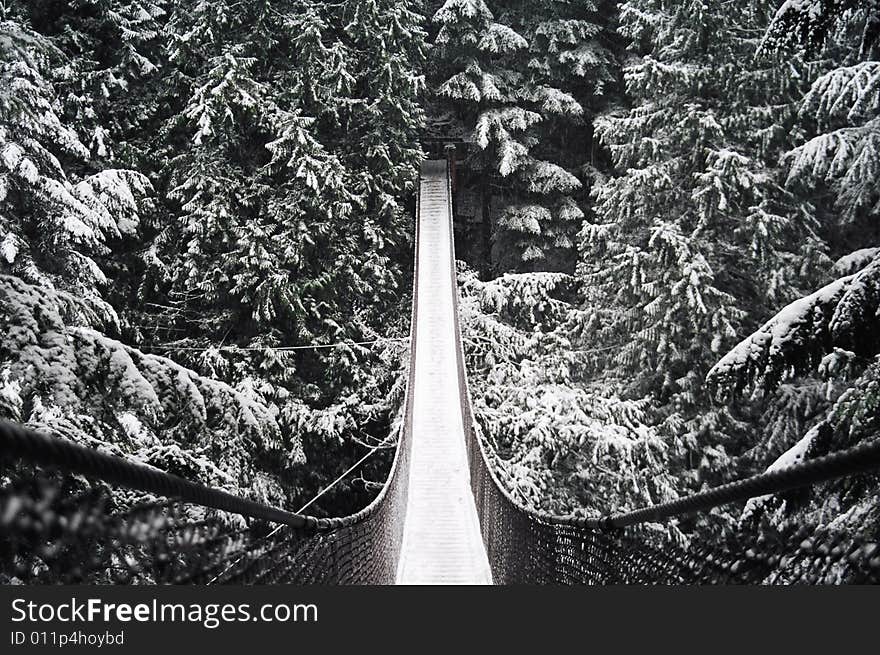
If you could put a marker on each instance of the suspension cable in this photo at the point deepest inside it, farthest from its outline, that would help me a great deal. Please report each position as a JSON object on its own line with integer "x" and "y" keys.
{"x": 23, "y": 443}
{"x": 34, "y": 447}
{"x": 859, "y": 459}
{"x": 317, "y": 346}
{"x": 382, "y": 445}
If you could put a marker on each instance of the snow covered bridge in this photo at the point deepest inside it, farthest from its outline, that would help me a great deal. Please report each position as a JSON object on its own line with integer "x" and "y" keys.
{"x": 444, "y": 490}
{"x": 441, "y": 538}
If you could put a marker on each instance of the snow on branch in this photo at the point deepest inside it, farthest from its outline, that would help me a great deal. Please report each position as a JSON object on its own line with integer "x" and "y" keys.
{"x": 791, "y": 457}
{"x": 453, "y": 11}
{"x": 474, "y": 85}
{"x": 842, "y": 314}
{"x": 94, "y": 390}
{"x": 849, "y": 93}
{"x": 804, "y": 24}
{"x": 846, "y": 159}
{"x": 854, "y": 261}
{"x": 500, "y": 39}
{"x": 499, "y": 123}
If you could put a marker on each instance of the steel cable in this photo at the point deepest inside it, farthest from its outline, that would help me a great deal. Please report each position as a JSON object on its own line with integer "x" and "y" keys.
{"x": 59, "y": 532}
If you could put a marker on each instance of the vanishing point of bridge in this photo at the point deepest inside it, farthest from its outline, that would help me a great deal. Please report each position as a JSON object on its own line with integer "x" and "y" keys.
{"x": 441, "y": 532}
{"x": 444, "y": 515}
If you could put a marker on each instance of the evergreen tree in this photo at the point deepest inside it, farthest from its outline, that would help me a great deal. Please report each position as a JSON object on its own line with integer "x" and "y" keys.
{"x": 302, "y": 122}
{"x": 575, "y": 76}
{"x": 62, "y": 210}
{"x": 559, "y": 445}
{"x": 486, "y": 79}
{"x": 73, "y": 381}
{"x": 58, "y": 206}
{"x": 830, "y": 333}
{"x": 843, "y": 157}
{"x": 694, "y": 234}
{"x": 290, "y": 191}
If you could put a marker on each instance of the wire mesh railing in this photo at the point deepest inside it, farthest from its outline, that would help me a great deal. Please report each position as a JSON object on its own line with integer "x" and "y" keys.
{"x": 69, "y": 514}
{"x": 528, "y": 546}
{"x": 532, "y": 547}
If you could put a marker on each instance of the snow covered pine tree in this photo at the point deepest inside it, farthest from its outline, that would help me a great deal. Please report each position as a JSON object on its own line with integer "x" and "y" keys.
{"x": 487, "y": 80}
{"x": 832, "y": 332}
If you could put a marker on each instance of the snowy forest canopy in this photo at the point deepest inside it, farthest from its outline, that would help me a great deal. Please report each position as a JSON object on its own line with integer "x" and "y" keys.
{"x": 670, "y": 209}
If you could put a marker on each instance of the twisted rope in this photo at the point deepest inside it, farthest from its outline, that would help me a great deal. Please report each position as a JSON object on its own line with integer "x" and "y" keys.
{"x": 43, "y": 450}
{"x": 859, "y": 459}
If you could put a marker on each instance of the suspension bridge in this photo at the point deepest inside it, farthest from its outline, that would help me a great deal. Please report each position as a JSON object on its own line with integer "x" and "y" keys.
{"x": 441, "y": 534}
{"x": 443, "y": 516}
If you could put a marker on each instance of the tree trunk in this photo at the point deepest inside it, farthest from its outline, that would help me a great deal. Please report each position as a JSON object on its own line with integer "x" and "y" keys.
{"x": 485, "y": 195}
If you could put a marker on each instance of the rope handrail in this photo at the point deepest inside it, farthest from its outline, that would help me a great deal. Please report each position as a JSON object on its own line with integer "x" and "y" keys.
{"x": 860, "y": 459}
{"x": 57, "y": 529}
{"x": 526, "y": 545}
{"x": 863, "y": 458}
{"x": 18, "y": 442}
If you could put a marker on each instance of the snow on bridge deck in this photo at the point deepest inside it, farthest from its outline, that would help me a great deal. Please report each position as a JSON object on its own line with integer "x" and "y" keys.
{"x": 441, "y": 535}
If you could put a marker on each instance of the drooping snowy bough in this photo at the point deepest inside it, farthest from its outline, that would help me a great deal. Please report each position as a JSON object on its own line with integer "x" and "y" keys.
{"x": 841, "y": 315}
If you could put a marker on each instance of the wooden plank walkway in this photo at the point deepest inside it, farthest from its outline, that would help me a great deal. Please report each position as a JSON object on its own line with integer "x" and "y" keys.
{"x": 441, "y": 535}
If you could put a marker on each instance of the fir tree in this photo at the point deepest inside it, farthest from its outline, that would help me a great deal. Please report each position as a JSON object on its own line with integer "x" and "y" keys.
{"x": 486, "y": 79}
{"x": 843, "y": 104}
{"x": 575, "y": 75}
{"x": 58, "y": 207}
{"x": 693, "y": 235}
{"x": 558, "y": 444}
{"x": 830, "y": 333}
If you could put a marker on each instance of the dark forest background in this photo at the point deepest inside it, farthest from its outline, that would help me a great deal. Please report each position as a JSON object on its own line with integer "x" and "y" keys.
{"x": 666, "y": 212}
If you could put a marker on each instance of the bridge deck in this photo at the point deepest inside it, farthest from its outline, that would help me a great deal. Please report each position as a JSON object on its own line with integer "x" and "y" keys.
{"x": 441, "y": 537}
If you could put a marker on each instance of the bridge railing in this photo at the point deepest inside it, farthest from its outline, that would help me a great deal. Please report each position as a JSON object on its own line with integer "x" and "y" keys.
{"x": 59, "y": 526}
{"x": 528, "y": 546}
